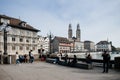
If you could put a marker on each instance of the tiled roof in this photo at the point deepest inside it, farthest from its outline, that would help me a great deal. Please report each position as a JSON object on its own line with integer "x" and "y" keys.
{"x": 87, "y": 41}
{"x": 103, "y": 42}
{"x": 16, "y": 23}
{"x": 62, "y": 39}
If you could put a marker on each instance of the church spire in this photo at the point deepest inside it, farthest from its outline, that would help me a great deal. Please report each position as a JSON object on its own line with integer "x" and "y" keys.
{"x": 70, "y": 32}
{"x": 78, "y": 35}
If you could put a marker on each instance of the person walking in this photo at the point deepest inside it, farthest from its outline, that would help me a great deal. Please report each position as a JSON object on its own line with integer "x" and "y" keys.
{"x": 17, "y": 58}
{"x": 106, "y": 60}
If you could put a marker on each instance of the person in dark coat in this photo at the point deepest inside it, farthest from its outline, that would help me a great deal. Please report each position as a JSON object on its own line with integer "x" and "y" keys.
{"x": 74, "y": 61}
{"x": 31, "y": 57}
{"x": 89, "y": 59}
{"x": 106, "y": 60}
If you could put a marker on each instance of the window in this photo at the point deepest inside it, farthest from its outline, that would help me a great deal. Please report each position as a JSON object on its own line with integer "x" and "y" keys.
{"x": 21, "y": 39}
{"x": 34, "y": 33}
{"x": 27, "y": 48}
{"x": 21, "y": 47}
{"x": 33, "y": 41}
{"x": 13, "y": 38}
{"x": 13, "y": 47}
{"x": 33, "y": 48}
{"x": 27, "y": 40}
{"x": 28, "y": 33}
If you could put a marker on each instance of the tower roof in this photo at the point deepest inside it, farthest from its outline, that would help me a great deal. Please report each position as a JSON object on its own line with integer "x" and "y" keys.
{"x": 70, "y": 27}
{"x": 78, "y": 26}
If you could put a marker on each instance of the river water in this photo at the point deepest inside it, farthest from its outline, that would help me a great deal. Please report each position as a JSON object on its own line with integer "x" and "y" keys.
{"x": 95, "y": 55}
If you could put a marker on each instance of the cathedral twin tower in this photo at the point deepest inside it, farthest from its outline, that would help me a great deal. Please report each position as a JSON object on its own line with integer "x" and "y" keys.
{"x": 78, "y": 34}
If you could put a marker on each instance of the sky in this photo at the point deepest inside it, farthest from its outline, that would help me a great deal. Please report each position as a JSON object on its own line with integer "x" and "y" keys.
{"x": 98, "y": 19}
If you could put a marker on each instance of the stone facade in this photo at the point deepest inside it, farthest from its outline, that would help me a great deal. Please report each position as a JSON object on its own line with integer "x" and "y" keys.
{"x": 104, "y": 46}
{"x": 21, "y": 37}
{"x": 43, "y": 44}
{"x": 61, "y": 44}
{"x": 89, "y": 45}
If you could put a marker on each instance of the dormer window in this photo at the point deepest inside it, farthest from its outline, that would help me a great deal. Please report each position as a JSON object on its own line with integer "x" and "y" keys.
{"x": 23, "y": 24}
{"x": 5, "y": 21}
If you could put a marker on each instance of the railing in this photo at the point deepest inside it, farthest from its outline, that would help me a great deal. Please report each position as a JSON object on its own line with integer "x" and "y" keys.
{"x": 84, "y": 60}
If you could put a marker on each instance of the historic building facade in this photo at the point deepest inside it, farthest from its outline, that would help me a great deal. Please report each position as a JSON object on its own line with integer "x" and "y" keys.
{"x": 76, "y": 44}
{"x": 78, "y": 33}
{"x": 89, "y": 46}
{"x": 104, "y": 46}
{"x": 61, "y": 44}
{"x": 21, "y": 37}
{"x": 43, "y": 44}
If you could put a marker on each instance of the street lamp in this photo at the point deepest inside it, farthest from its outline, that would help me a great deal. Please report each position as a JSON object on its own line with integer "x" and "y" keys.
{"x": 74, "y": 38}
{"x": 5, "y": 27}
{"x": 50, "y": 44}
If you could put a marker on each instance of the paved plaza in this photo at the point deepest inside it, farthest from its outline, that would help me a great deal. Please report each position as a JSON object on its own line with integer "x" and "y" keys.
{"x": 47, "y": 71}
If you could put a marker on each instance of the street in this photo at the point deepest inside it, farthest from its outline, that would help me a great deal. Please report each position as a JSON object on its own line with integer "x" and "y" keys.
{"x": 46, "y": 71}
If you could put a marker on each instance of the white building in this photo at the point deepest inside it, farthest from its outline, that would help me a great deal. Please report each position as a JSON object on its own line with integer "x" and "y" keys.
{"x": 79, "y": 46}
{"x": 43, "y": 44}
{"x": 21, "y": 38}
{"x": 104, "y": 46}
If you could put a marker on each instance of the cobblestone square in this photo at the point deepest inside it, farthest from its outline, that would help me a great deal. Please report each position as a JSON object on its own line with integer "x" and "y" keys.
{"x": 46, "y": 71}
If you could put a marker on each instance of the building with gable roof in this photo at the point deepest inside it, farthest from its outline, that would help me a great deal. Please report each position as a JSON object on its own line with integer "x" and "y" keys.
{"x": 21, "y": 38}
{"x": 61, "y": 44}
{"x": 104, "y": 46}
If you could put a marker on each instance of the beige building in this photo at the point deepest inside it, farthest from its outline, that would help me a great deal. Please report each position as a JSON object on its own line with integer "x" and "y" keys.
{"x": 61, "y": 44}
{"x": 21, "y": 37}
{"x": 89, "y": 46}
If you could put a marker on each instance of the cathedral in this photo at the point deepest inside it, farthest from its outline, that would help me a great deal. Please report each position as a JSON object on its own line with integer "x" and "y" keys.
{"x": 70, "y": 34}
{"x": 78, "y": 45}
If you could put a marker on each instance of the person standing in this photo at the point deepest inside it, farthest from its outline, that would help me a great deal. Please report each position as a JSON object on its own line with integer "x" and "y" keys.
{"x": 25, "y": 58}
{"x": 17, "y": 58}
{"x": 106, "y": 60}
{"x": 74, "y": 61}
{"x": 31, "y": 57}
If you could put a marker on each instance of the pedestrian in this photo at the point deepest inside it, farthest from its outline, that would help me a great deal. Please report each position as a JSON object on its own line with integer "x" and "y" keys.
{"x": 25, "y": 58}
{"x": 66, "y": 57}
{"x": 74, "y": 61}
{"x": 106, "y": 60}
{"x": 31, "y": 57}
{"x": 17, "y": 58}
{"x": 60, "y": 56}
